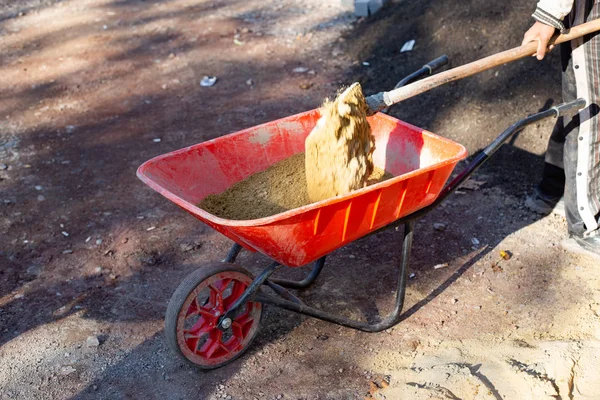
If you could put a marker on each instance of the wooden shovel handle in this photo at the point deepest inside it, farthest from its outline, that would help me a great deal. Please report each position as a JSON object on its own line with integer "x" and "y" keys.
{"x": 397, "y": 95}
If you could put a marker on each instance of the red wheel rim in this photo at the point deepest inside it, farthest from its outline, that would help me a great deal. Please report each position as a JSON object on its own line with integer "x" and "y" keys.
{"x": 197, "y": 334}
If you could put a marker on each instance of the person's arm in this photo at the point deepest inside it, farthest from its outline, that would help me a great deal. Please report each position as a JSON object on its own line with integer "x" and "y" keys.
{"x": 549, "y": 16}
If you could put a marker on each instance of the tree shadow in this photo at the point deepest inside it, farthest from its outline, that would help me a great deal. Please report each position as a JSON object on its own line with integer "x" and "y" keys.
{"x": 99, "y": 196}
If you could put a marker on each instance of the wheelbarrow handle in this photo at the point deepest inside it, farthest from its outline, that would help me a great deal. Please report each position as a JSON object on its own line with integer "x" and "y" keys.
{"x": 436, "y": 64}
{"x": 427, "y": 69}
{"x": 556, "y": 111}
{"x": 567, "y": 108}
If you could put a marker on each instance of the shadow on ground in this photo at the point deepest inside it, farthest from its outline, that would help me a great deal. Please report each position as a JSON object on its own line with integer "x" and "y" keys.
{"x": 87, "y": 159}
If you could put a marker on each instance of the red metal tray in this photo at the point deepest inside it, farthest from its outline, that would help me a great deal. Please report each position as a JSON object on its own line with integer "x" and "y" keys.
{"x": 420, "y": 161}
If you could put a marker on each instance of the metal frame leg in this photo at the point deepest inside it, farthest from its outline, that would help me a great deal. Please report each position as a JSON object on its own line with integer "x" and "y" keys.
{"x": 306, "y": 282}
{"x": 388, "y": 322}
{"x": 233, "y": 253}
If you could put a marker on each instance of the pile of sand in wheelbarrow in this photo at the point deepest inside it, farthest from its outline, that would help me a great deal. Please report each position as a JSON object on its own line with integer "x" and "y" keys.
{"x": 338, "y": 159}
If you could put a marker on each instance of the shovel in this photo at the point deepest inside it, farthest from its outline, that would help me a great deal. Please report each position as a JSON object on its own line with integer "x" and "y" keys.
{"x": 379, "y": 101}
{"x": 338, "y": 151}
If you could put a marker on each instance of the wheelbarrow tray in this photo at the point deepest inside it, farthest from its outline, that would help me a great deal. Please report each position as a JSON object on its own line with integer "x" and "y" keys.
{"x": 420, "y": 161}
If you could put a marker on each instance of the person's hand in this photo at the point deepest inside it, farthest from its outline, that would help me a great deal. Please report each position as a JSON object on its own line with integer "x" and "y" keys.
{"x": 542, "y": 33}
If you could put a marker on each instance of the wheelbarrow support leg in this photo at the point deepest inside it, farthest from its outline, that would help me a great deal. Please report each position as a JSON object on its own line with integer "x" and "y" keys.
{"x": 306, "y": 282}
{"x": 233, "y": 253}
{"x": 388, "y": 322}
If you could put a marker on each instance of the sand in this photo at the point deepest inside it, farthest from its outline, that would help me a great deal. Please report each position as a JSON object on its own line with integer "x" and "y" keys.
{"x": 339, "y": 149}
{"x": 280, "y": 188}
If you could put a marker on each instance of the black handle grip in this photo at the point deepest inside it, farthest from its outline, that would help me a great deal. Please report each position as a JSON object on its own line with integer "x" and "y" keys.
{"x": 566, "y": 108}
{"x": 436, "y": 64}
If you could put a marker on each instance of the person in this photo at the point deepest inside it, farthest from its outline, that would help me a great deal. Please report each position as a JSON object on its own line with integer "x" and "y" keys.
{"x": 571, "y": 171}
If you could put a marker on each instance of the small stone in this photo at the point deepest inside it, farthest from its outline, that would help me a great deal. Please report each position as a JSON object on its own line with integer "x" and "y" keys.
{"x": 341, "y": 370}
{"x": 34, "y": 270}
{"x": 41, "y": 198}
{"x": 98, "y": 270}
{"x": 70, "y": 129}
{"x": 300, "y": 70}
{"x": 3, "y": 166}
{"x": 67, "y": 370}
{"x": 412, "y": 275}
{"x": 38, "y": 187}
{"x": 475, "y": 241}
{"x": 185, "y": 247}
{"x": 65, "y": 234}
{"x": 322, "y": 337}
{"x": 98, "y": 242}
{"x": 67, "y": 251}
{"x": 477, "y": 307}
{"x": 279, "y": 396}
{"x": 249, "y": 82}
{"x": 88, "y": 239}
{"x": 156, "y": 140}
{"x": 151, "y": 228}
{"x": 92, "y": 341}
{"x": 454, "y": 301}
{"x": 438, "y": 226}
{"x": 19, "y": 296}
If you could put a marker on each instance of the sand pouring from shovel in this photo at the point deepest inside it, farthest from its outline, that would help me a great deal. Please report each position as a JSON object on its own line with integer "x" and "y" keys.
{"x": 339, "y": 149}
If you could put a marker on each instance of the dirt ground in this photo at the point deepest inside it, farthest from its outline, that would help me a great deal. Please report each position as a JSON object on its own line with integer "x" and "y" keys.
{"x": 89, "y": 256}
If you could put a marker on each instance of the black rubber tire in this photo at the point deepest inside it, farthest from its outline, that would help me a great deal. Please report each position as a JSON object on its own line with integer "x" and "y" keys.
{"x": 181, "y": 294}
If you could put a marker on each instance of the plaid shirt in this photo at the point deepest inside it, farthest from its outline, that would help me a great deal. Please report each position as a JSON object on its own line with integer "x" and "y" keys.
{"x": 586, "y": 63}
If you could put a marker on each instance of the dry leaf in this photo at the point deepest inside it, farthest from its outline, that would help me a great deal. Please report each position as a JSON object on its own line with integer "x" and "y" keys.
{"x": 373, "y": 388}
{"x": 497, "y": 268}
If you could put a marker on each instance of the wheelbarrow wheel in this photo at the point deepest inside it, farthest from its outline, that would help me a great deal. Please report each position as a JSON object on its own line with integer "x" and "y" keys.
{"x": 193, "y": 311}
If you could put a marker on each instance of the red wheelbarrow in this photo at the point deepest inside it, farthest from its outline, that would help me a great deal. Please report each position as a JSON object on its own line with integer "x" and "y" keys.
{"x": 215, "y": 313}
